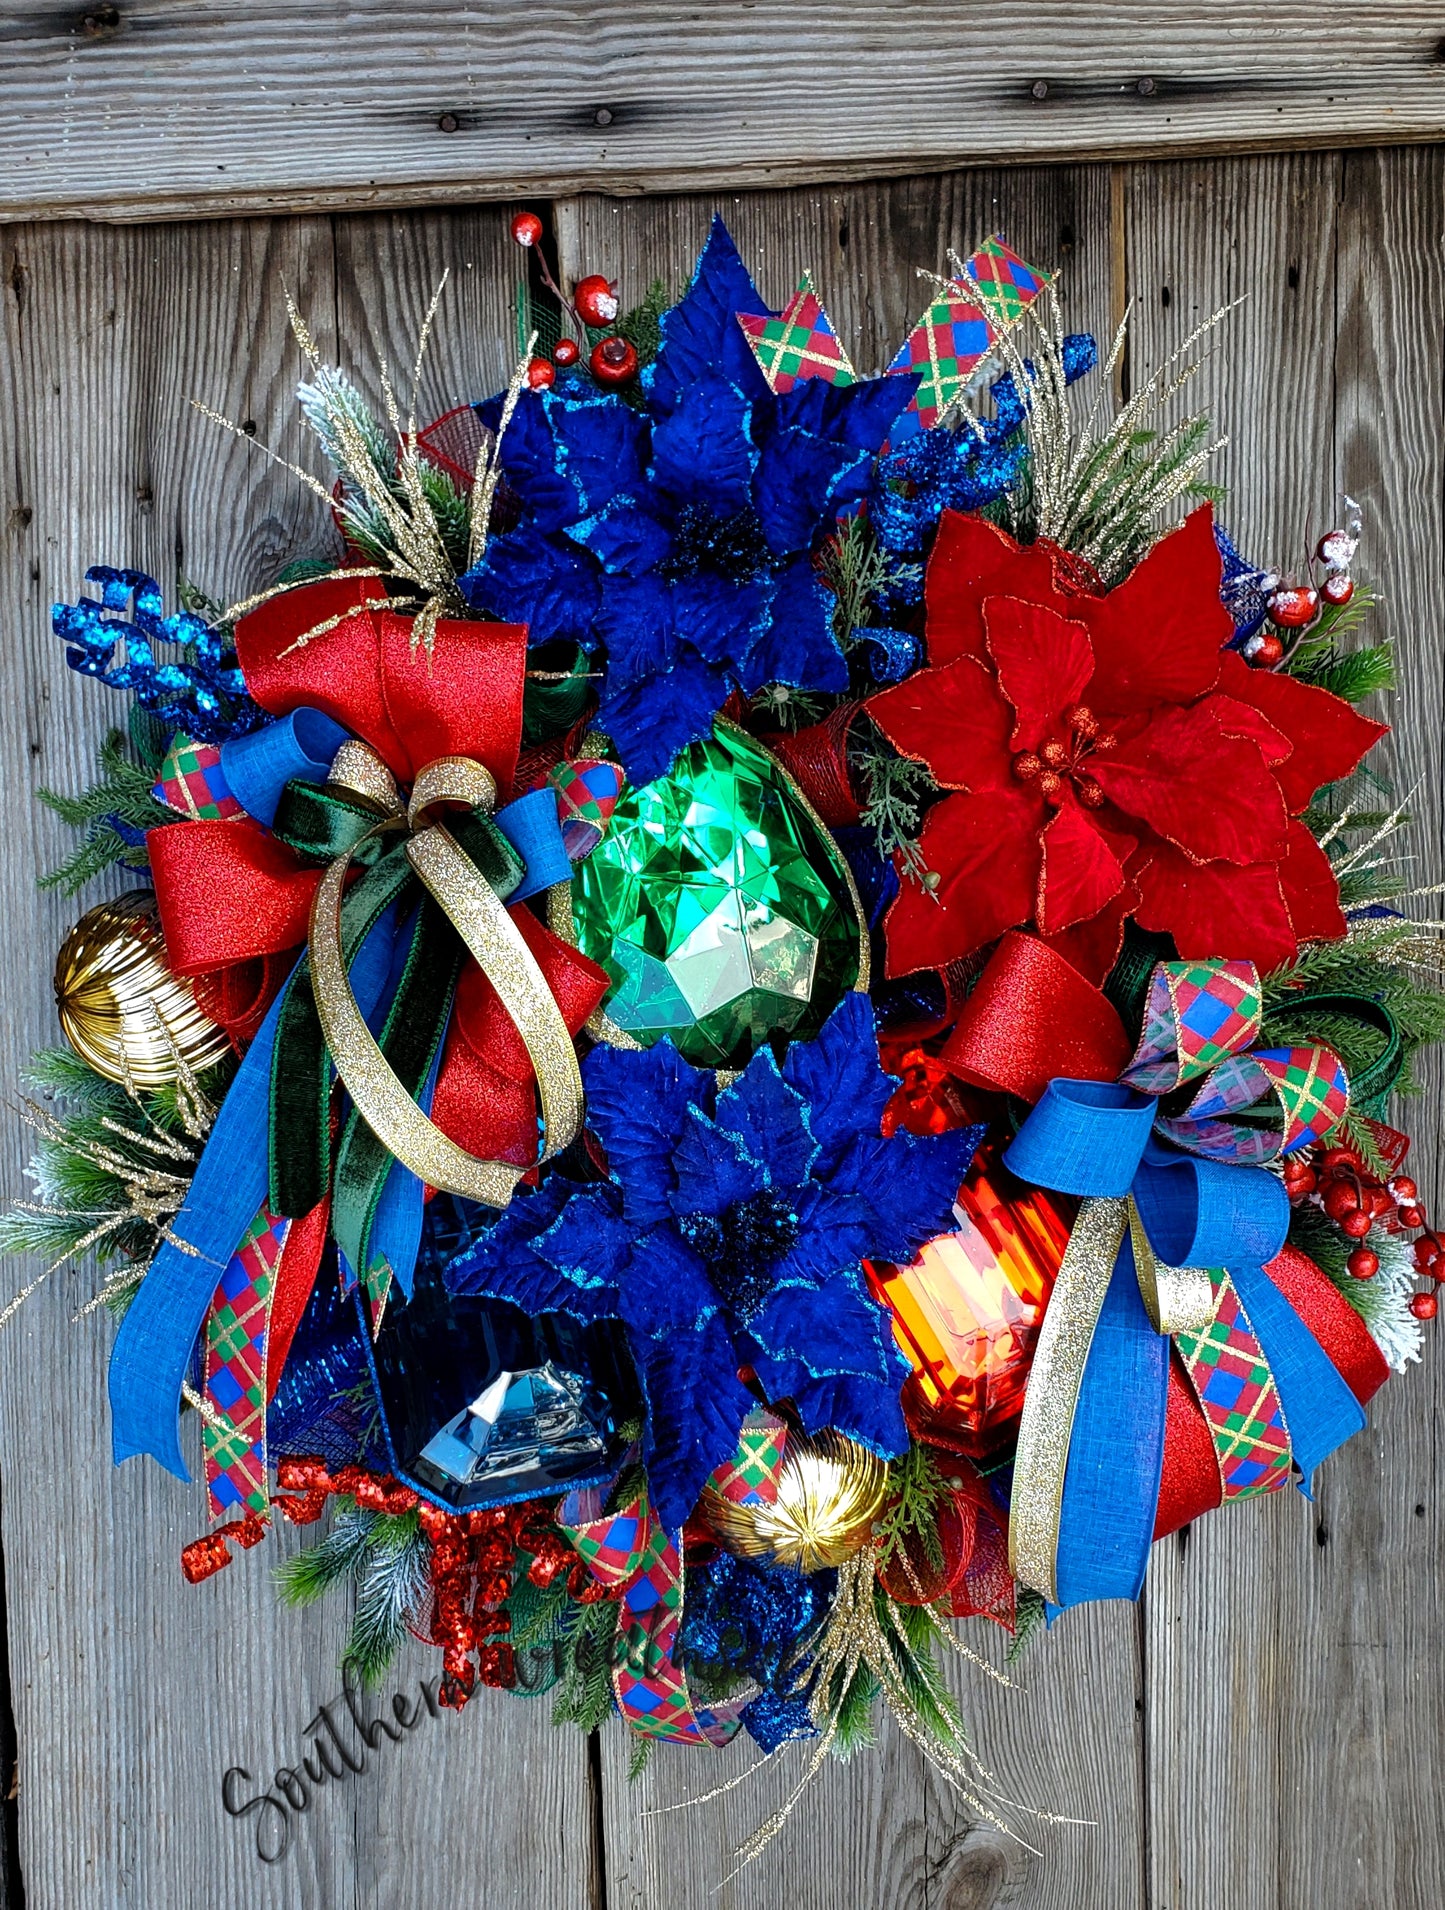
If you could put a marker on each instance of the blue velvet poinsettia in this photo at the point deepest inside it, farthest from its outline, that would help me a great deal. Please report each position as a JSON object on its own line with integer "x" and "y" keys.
{"x": 730, "y": 1234}
{"x": 676, "y": 535}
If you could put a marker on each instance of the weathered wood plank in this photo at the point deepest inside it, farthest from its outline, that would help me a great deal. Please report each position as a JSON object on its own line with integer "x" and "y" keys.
{"x": 885, "y": 1831}
{"x": 133, "y": 1691}
{"x": 170, "y": 109}
{"x": 504, "y": 1781}
{"x": 1283, "y": 1695}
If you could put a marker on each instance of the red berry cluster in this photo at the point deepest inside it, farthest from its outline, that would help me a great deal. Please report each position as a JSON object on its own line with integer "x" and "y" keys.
{"x": 1293, "y": 606}
{"x": 593, "y": 304}
{"x": 1357, "y": 1201}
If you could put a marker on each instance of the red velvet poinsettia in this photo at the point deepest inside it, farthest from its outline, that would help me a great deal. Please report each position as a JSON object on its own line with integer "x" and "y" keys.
{"x": 1110, "y": 758}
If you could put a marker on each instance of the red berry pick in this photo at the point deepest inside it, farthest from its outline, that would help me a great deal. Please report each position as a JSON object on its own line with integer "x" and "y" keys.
{"x": 613, "y": 362}
{"x": 1364, "y": 1263}
{"x": 1263, "y": 651}
{"x": 526, "y": 228}
{"x": 541, "y": 372}
{"x": 1293, "y": 606}
{"x": 566, "y": 352}
{"x": 595, "y": 299}
{"x": 1424, "y": 1306}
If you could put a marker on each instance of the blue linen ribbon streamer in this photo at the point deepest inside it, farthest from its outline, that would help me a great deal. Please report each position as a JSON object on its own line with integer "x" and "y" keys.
{"x": 153, "y": 1346}
{"x": 1094, "y": 1139}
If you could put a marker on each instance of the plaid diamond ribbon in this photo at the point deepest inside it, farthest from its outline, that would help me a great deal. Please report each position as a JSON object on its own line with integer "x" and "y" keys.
{"x": 1231, "y": 1377}
{"x": 799, "y": 343}
{"x": 233, "y": 1433}
{"x": 962, "y": 325}
{"x": 587, "y": 791}
{"x": 632, "y": 1549}
{"x": 193, "y": 783}
{"x": 1253, "y": 1103}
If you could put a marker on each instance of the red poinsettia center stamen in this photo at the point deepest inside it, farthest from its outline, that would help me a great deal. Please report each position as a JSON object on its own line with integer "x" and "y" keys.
{"x": 1055, "y": 763}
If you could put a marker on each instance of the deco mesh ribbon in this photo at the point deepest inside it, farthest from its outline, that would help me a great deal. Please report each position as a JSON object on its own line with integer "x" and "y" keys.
{"x": 445, "y": 1013}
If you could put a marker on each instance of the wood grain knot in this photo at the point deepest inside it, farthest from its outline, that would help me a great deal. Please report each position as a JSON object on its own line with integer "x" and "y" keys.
{"x": 977, "y": 1872}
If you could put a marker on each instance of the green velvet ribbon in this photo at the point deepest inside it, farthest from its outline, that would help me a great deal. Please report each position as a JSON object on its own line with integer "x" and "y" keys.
{"x": 323, "y": 822}
{"x": 1371, "y": 1087}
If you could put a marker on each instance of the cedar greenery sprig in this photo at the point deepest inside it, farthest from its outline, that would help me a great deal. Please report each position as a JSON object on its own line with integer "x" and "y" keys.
{"x": 896, "y": 790}
{"x": 916, "y": 1491}
{"x": 856, "y": 569}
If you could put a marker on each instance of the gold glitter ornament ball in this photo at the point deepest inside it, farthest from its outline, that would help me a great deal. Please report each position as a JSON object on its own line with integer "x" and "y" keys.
{"x": 121, "y": 1008}
{"x": 830, "y": 1492}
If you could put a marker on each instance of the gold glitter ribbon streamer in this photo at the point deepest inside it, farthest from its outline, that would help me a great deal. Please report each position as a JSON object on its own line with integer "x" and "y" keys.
{"x": 1176, "y": 1299}
{"x": 481, "y": 919}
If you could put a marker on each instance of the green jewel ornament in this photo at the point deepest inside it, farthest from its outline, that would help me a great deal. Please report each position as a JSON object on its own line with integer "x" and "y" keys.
{"x": 720, "y": 906}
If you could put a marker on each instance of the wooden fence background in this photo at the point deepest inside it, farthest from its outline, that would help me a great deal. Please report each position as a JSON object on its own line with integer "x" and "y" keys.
{"x": 1266, "y": 1731}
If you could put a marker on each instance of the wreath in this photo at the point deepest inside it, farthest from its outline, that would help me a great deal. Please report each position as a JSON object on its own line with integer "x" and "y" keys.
{"x": 763, "y": 1019}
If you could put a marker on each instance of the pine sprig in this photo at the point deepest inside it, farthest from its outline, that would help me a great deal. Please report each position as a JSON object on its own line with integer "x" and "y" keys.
{"x": 119, "y": 799}
{"x": 1353, "y": 674}
{"x": 642, "y": 326}
{"x": 584, "y": 1697}
{"x": 850, "y": 1707}
{"x": 1383, "y": 1302}
{"x": 384, "y": 1557}
{"x": 1099, "y": 487}
{"x": 913, "y": 1636}
{"x": 110, "y": 1175}
{"x": 1030, "y": 1619}
{"x": 337, "y": 1560}
{"x": 392, "y": 1589}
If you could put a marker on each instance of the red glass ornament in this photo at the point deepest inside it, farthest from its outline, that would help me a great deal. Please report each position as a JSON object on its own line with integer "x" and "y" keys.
{"x": 541, "y": 372}
{"x": 1424, "y": 1306}
{"x": 526, "y": 228}
{"x": 967, "y": 1311}
{"x": 1363, "y": 1263}
{"x": 1338, "y": 588}
{"x": 566, "y": 352}
{"x": 1293, "y": 606}
{"x": 613, "y": 362}
{"x": 595, "y": 300}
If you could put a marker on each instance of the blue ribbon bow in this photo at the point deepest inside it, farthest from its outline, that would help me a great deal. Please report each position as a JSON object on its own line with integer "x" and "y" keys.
{"x": 1091, "y": 1441}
